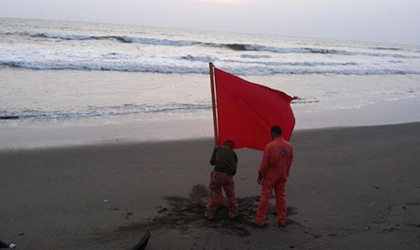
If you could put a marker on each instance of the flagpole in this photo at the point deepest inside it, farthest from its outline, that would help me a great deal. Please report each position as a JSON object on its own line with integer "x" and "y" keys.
{"x": 213, "y": 103}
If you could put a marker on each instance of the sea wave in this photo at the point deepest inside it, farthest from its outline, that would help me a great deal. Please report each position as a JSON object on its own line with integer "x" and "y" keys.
{"x": 265, "y": 63}
{"x": 231, "y": 46}
{"x": 256, "y": 68}
{"x": 64, "y": 37}
{"x": 122, "y": 110}
{"x": 127, "y": 109}
{"x": 255, "y": 56}
{"x": 387, "y": 48}
{"x": 291, "y": 50}
{"x": 124, "y": 39}
{"x": 199, "y": 58}
{"x": 301, "y": 64}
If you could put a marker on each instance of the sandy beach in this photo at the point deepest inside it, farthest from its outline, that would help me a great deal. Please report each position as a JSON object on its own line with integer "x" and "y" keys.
{"x": 350, "y": 188}
{"x": 106, "y": 122}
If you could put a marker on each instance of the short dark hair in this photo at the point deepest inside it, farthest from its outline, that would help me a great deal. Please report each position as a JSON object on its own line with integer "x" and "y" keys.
{"x": 276, "y": 130}
{"x": 227, "y": 142}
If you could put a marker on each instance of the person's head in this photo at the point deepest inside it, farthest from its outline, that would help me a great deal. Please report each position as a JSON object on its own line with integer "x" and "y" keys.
{"x": 276, "y": 132}
{"x": 229, "y": 144}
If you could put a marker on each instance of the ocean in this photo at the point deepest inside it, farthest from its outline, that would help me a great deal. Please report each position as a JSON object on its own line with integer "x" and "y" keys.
{"x": 52, "y": 70}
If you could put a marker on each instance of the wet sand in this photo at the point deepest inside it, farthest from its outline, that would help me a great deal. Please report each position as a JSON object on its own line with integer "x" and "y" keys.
{"x": 350, "y": 188}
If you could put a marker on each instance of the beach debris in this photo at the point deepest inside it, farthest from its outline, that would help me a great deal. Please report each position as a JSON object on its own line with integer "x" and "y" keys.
{"x": 9, "y": 117}
{"x": 151, "y": 219}
{"x": 162, "y": 210}
{"x": 198, "y": 192}
{"x": 414, "y": 225}
{"x": 5, "y": 245}
{"x": 410, "y": 204}
{"x": 142, "y": 244}
{"x": 291, "y": 211}
{"x": 106, "y": 200}
{"x": 127, "y": 215}
{"x": 389, "y": 230}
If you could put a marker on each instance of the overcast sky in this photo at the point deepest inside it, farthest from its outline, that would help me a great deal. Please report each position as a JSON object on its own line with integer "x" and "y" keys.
{"x": 392, "y": 21}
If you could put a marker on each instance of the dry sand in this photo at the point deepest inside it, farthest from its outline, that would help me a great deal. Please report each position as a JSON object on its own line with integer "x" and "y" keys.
{"x": 350, "y": 188}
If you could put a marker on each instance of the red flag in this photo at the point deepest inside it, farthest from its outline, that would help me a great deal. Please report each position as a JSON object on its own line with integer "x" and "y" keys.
{"x": 246, "y": 111}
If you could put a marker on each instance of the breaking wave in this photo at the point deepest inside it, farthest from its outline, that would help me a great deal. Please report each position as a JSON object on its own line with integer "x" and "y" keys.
{"x": 231, "y": 46}
{"x": 124, "y": 39}
{"x": 287, "y": 50}
{"x": 247, "y": 68}
{"x": 387, "y": 48}
{"x": 199, "y": 58}
{"x": 127, "y": 109}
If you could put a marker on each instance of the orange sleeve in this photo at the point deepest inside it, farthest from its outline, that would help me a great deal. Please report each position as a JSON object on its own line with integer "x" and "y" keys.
{"x": 264, "y": 164}
{"x": 289, "y": 161}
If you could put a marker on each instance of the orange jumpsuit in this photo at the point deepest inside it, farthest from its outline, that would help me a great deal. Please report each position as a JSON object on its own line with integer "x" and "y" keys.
{"x": 275, "y": 166}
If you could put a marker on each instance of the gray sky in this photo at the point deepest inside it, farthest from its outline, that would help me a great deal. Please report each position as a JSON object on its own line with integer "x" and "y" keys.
{"x": 392, "y": 21}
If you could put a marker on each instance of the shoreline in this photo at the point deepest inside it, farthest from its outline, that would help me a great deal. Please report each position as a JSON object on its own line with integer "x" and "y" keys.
{"x": 21, "y": 134}
{"x": 349, "y": 188}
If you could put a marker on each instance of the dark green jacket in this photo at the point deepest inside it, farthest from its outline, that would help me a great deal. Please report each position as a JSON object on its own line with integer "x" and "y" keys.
{"x": 224, "y": 160}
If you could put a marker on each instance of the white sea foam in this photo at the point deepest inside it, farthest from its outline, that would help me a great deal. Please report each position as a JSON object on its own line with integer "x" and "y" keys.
{"x": 233, "y": 46}
{"x": 98, "y": 60}
{"x": 124, "y": 39}
{"x": 112, "y": 62}
{"x": 66, "y": 37}
{"x": 154, "y": 41}
{"x": 323, "y": 51}
{"x": 127, "y": 109}
{"x": 199, "y": 58}
{"x": 325, "y": 74}
{"x": 255, "y": 56}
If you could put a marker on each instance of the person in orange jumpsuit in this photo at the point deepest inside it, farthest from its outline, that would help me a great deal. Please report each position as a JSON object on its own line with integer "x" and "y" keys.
{"x": 273, "y": 174}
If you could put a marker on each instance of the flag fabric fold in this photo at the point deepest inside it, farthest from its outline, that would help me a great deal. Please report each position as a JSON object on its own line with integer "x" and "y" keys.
{"x": 246, "y": 111}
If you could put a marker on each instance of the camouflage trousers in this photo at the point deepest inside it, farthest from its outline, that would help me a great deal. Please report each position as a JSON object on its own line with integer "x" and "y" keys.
{"x": 218, "y": 181}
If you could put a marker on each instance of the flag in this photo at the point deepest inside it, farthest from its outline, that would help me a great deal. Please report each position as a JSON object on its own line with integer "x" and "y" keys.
{"x": 246, "y": 111}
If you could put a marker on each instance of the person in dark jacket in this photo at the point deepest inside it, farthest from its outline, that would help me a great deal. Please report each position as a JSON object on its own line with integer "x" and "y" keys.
{"x": 225, "y": 161}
